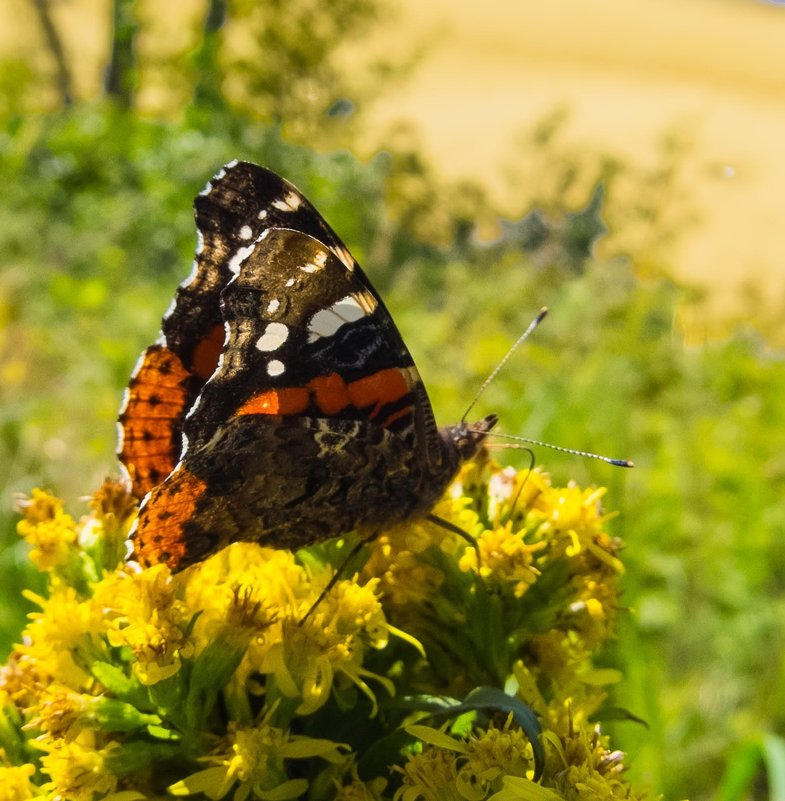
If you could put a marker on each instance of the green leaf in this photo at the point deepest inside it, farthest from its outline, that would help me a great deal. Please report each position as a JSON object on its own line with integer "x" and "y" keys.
{"x": 773, "y": 747}
{"x": 768, "y": 751}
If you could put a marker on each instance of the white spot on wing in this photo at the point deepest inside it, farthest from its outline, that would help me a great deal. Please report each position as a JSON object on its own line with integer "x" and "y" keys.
{"x": 246, "y": 232}
{"x": 289, "y": 202}
{"x": 199, "y": 241}
{"x": 290, "y": 282}
{"x": 239, "y": 257}
{"x": 272, "y": 306}
{"x": 318, "y": 263}
{"x": 275, "y": 367}
{"x": 273, "y": 337}
{"x": 262, "y": 214}
{"x": 327, "y": 321}
{"x": 346, "y": 257}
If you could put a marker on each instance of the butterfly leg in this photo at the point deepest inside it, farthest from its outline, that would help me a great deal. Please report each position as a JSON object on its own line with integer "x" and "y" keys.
{"x": 340, "y": 571}
{"x": 448, "y": 526}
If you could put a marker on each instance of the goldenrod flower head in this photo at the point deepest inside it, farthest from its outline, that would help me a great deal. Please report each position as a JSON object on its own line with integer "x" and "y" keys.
{"x": 48, "y": 529}
{"x": 143, "y": 614}
{"x": 331, "y": 642}
{"x": 16, "y": 784}
{"x": 112, "y": 512}
{"x": 253, "y": 757}
{"x": 505, "y": 557}
{"x": 241, "y": 590}
{"x": 77, "y": 771}
{"x": 59, "y": 640}
{"x": 430, "y": 776}
{"x": 585, "y": 768}
{"x": 495, "y": 752}
{"x": 58, "y": 711}
{"x": 573, "y": 520}
{"x": 124, "y": 678}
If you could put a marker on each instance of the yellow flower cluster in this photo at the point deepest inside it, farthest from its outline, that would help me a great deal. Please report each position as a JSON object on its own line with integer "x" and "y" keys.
{"x": 447, "y": 669}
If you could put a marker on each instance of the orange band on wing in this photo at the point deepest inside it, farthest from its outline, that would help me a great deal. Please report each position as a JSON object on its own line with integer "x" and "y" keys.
{"x": 287, "y": 400}
{"x": 386, "y": 386}
{"x": 332, "y": 394}
{"x": 156, "y": 402}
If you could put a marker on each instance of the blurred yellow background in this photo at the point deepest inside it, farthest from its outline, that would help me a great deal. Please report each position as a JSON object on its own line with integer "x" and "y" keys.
{"x": 627, "y": 72}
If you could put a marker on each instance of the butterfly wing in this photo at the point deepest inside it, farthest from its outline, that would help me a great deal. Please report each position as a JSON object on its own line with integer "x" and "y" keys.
{"x": 241, "y": 202}
{"x": 314, "y": 421}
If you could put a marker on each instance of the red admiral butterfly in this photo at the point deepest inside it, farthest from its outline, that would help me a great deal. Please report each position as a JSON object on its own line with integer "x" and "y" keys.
{"x": 280, "y": 404}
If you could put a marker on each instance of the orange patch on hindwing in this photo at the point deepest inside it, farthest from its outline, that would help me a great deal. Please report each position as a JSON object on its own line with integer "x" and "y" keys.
{"x": 331, "y": 393}
{"x": 159, "y": 535}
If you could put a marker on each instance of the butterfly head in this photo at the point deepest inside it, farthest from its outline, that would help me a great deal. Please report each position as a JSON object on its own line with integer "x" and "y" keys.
{"x": 466, "y": 439}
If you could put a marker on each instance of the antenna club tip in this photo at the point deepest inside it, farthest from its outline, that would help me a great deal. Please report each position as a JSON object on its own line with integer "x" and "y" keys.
{"x": 543, "y": 311}
{"x": 623, "y": 462}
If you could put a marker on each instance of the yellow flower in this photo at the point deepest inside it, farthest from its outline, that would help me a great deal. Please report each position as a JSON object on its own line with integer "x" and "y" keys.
{"x": 254, "y": 758}
{"x": 76, "y": 770}
{"x": 57, "y": 711}
{"x": 242, "y": 590}
{"x": 113, "y": 510}
{"x": 572, "y": 520}
{"x": 48, "y": 529}
{"x": 142, "y": 613}
{"x": 583, "y": 766}
{"x": 403, "y": 577}
{"x": 230, "y": 664}
{"x": 61, "y": 640}
{"x": 483, "y": 759}
{"x": 511, "y": 493}
{"x": 429, "y": 776}
{"x": 15, "y": 784}
{"x": 495, "y": 752}
{"x": 113, "y": 504}
{"x": 505, "y": 558}
{"x": 332, "y": 640}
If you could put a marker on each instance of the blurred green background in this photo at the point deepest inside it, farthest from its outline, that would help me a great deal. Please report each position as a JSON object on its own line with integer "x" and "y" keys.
{"x": 96, "y": 231}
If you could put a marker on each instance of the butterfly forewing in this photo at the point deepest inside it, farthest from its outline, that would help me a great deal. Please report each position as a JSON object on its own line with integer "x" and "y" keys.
{"x": 302, "y": 330}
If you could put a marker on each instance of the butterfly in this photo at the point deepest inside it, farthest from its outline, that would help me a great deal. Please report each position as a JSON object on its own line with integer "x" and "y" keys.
{"x": 280, "y": 404}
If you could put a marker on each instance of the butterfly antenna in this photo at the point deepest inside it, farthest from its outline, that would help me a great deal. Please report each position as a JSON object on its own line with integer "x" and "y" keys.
{"x": 518, "y": 342}
{"x": 526, "y": 441}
